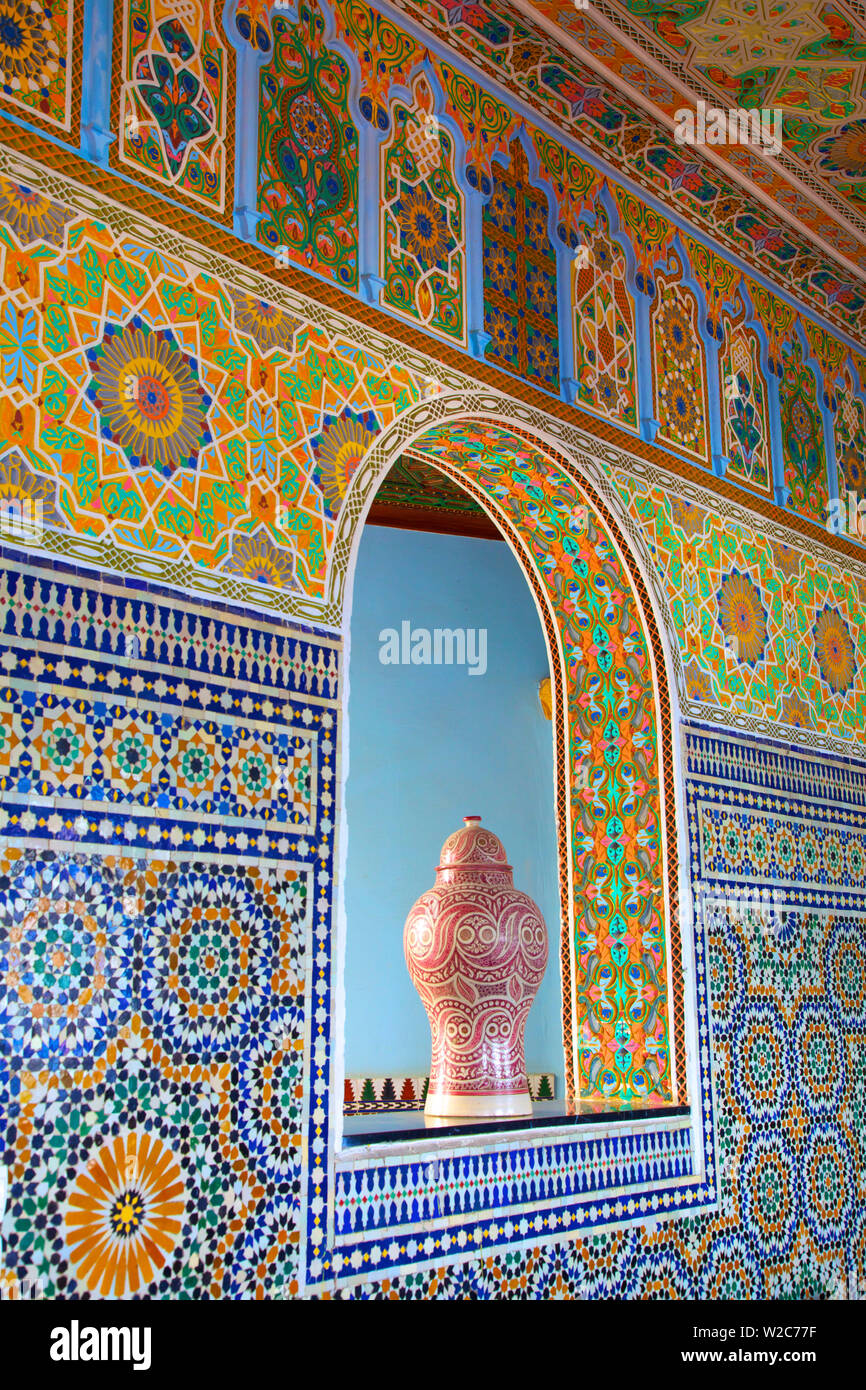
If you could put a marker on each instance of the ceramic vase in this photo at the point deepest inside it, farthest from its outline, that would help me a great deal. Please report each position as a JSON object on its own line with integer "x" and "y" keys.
{"x": 476, "y": 948}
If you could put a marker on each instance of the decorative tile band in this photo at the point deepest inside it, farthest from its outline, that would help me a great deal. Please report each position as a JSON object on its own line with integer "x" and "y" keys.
{"x": 114, "y": 753}
{"x": 804, "y": 861}
{"x": 130, "y": 722}
{"x": 114, "y": 624}
{"x": 433, "y": 1190}
{"x": 790, "y": 834}
{"x": 366, "y": 1094}
{"x": 774, "y": 768}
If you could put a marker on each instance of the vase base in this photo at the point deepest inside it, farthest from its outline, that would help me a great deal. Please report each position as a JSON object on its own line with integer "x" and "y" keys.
{"x": 444, "y": 1105}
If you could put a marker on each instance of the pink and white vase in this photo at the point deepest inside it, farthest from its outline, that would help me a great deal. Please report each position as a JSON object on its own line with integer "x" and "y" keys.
{"x": 476, "y": 948}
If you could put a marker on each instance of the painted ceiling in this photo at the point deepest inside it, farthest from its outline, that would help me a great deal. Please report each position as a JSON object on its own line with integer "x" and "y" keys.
{"x": 416, "y": 496}
{"x": 411, "y": 483}
{"x": 804, "y": 58}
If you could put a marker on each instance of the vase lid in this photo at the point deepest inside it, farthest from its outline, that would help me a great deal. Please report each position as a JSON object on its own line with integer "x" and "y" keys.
{"x": 473, "y": 846}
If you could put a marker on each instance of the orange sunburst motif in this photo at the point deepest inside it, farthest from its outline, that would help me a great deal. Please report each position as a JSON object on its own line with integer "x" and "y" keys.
{"x": 834, "y": 650}
{"x": 125, "y": 1215}
{"x": 742, "y": 617}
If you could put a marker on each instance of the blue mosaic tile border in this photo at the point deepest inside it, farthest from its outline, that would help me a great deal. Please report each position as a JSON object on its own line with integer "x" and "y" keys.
{"x": 392, "y": 1195}
{"x": 772, "y": 767}
{"x": 789, "y": 846}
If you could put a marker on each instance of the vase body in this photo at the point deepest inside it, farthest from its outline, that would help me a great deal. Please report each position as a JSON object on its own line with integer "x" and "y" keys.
{"x": 476, "y": 948}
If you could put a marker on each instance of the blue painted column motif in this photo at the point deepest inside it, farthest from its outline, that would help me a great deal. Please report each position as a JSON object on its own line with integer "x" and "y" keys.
{"x": 781, "y": 492}
{"x": 369, "y": 154}
{"x": 715, "y": 406}
{"x": 478, "y": 335}
{"x": 249, "y": 63}
{"x": 98, "y": 30}
{"x": 649, "y": 425}
{"x": 566, "y": 257}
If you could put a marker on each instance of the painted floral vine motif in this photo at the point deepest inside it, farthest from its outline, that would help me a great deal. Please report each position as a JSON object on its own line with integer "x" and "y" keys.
{"x": 173, "y": 99}
{"x": 803, "y": 437}
{"x": 604, "y": 327}
{"x": 575, "y": 185}
{"x": 381, "y": 49}
{"x": 651, "y": 236}
{"x": 829, "y": 354}
{"x": 777, "y": 320}
{"x": 308, "y": 151}
{"x": 679, "y": 372}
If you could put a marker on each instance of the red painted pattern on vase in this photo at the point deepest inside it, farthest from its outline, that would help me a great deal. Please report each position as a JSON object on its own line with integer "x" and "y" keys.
{"x": 476, "y": 948}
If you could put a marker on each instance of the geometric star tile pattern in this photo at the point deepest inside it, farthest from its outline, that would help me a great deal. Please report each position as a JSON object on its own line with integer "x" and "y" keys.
{"x": 153, "y": 987}
{"x": 748, "y": 615}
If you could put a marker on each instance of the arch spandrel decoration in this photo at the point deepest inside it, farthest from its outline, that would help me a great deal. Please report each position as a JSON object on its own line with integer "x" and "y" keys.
{"x": 623, "y": 1017}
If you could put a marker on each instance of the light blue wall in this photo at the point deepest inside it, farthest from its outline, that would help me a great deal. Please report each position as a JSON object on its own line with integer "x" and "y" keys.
{"x": 428, "y": 745}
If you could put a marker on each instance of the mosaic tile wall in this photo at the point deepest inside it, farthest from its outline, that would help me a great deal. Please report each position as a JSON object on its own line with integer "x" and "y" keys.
{"x": 168, "y": 815}
{"x": 166, "y": 1004}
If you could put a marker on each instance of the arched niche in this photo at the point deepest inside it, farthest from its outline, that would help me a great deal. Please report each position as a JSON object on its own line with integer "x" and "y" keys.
{"x": 445, "y": 661}
{"x": 621, "y": 960}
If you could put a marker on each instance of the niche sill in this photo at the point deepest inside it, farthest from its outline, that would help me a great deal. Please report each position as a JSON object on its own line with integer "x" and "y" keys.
{"x": 400, "y": 1126}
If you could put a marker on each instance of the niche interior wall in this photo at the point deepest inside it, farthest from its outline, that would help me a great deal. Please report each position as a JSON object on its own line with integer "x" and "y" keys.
{"x": 426, "y": 744}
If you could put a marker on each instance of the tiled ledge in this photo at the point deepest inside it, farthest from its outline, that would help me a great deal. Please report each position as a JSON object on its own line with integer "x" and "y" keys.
{"x": 407, "y": 1126}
